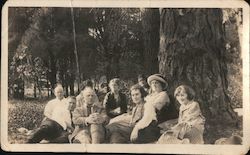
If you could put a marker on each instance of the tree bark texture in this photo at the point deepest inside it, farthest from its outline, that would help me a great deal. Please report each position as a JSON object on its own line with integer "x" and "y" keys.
{"x": 192, "y": 52}
{"x": 151, "y": 25}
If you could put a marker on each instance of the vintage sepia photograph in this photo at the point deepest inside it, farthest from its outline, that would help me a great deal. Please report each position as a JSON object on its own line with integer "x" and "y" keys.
{"x": 141, "y": 75}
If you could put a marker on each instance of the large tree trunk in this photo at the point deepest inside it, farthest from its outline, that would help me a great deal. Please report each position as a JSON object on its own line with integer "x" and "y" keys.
{"x": 192, "y": 52}
{"x": 151, "y": 25}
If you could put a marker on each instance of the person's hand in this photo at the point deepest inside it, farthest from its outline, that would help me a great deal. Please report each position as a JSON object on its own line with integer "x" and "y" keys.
{"x": 70, "y": 138}
{"x": 134, "y": 135}
{"x": 97, "y": 118}
{"x": 94, "y": 115}
{"x": 70, "y": 129}
{"x": 175, "y": 133}
{"x": 116, "y": 111}
{"x": 106, "y": 119}
{"x": 176, "y": 130}
{"x": 131, "y": 124}
{"x": 90, "y": 120}
{"x": 176, "y": 127}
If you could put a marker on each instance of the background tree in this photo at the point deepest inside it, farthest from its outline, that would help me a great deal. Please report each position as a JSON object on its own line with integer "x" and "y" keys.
{"x": 131, "y": 62}
{"x": 192, "y": 52}
{"x": 197, "y": 47}
{"x": 117, "y": 33}
{"x": 108, "y": 33}
{"x": 151, "y": 26}
{"x": 75, "y": 50}
{"x": 50, "y": 38}
{"x": 22, "y": 65}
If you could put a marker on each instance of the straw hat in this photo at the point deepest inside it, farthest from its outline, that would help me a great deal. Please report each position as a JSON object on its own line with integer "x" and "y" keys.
{"x": 159, "y": 78}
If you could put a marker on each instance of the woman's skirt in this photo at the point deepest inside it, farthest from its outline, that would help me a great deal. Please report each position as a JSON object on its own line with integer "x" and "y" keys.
{"x": 150, "y": 134}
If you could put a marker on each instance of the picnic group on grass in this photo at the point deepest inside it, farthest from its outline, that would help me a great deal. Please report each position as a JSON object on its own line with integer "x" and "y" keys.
{"x": 95, "y": 118}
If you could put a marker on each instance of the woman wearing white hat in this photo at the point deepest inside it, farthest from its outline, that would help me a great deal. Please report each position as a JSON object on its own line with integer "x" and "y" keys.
{"x": 146, "y": 130}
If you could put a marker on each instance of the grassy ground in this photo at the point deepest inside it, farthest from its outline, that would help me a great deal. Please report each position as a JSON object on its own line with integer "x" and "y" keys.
{"x": 29, "y": 114}
{"x": 217, "y": 131}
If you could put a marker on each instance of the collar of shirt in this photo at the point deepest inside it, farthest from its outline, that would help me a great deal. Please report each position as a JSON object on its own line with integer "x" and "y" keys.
{"x": 135, "y": 111}
{"x": 185, "y": 107}
{"x": 57, "y": 101}
{"x": 63, "y": 99}
{"x": 87, "y": 108}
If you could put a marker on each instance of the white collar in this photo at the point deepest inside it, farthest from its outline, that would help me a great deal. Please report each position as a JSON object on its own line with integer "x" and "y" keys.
{"x": 184, "y": 107}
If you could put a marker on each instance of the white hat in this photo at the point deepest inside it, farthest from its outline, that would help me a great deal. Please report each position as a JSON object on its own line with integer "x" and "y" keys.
{"x": 157, "y": 77}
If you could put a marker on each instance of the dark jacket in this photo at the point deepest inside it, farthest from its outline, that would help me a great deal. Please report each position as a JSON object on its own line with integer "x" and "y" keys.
{"x": 167, "y": 112}
{"x": 110, "y": 104}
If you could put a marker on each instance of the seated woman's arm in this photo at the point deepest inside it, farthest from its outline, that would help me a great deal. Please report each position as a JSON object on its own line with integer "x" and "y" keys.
{"x": 148, "y": 116}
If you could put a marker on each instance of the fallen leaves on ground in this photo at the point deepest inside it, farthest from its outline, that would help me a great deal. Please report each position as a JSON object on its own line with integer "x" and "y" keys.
{"x": 23, "y": 114}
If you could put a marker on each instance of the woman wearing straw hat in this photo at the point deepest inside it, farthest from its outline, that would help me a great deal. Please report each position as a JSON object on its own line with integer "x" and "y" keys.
{"x": 146, "y": 130}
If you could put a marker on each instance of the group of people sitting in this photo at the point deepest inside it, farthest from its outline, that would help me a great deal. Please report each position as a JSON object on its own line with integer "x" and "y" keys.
{"x": 86, "y": 119}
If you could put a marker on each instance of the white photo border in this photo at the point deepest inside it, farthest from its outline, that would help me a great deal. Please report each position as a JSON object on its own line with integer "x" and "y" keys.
{"x": 127, "y": 148}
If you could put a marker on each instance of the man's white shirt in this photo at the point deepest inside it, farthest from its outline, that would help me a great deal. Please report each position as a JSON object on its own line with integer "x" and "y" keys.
{"x": 57, "y": 110}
